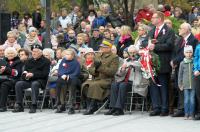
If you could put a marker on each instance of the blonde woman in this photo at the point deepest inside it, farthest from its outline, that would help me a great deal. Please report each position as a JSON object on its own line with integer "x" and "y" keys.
{"x": 125, "y": 40}
{"x": 142, "y": 35}
{"x": 11, "y": 41}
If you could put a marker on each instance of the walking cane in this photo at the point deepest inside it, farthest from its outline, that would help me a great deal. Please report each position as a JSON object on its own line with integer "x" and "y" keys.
{"x": 132, "y": 92}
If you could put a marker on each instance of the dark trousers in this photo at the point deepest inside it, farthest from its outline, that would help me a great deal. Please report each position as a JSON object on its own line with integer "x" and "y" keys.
{"x": 62, "y": 86}
{"x": 178, "y": 92}
{"x": 21, "y": 85}
{"x": 5, "y": 88}
{"x": 159, "y": 94}
{"x": 118, "y": 94}
{"x": 197, "y": 90}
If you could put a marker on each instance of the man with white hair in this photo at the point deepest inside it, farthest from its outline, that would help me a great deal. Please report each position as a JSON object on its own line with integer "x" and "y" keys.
{"x": 35, "y": 75}
{"x": 187, "y": 38}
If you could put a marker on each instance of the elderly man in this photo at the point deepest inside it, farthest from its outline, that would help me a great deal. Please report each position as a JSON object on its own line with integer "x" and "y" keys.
{"x": 187, "y": 38}
{"x": 35, "y": 76}
{"x": 163, "y": 39}
{"x": 103, "y": 69}
{"x": 95, "y": 40}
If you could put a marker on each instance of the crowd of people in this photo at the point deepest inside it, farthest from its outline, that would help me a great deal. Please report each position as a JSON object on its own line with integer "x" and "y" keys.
{"x": 95, "y": 53}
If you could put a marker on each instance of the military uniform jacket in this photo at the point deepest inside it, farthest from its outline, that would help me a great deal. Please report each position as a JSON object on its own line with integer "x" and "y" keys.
{"x": 98, "y": 88}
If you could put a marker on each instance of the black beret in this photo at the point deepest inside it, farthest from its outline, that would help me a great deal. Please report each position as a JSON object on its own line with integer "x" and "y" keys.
{"x": 36, "y": 46}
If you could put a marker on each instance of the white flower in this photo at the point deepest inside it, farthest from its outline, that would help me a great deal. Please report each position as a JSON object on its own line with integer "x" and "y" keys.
{"x": 163, "y": 31}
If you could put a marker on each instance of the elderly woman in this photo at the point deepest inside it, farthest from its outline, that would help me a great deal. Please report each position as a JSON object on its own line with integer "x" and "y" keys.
{"x": 9, "y": 75}
{"x": 86, "y": 62}
{"x": 11, "y": 41}
{"x": 31, "y": 39}
{"x": 142, "y": 35}
{"x": 49, "y": 54}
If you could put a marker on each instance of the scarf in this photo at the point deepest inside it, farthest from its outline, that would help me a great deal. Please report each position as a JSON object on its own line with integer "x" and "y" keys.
{"x": 188, "y": 60}
{"x": 88, "y": 62}
{"x": 32, "y": 40}
{"x": 124, "y": 38}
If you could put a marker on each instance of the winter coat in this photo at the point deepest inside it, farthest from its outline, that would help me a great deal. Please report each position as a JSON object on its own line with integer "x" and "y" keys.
{"x": 39, "y": 67}
{"x": 185, "y": 75}
{"x": 197, "y": 58}
{"x": 103, "y": 70}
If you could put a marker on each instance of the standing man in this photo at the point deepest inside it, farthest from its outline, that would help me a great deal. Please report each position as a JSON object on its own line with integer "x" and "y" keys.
{"x": 37, "y": 17}
{"x": 163, "y": 39}
{"x": 34, "y": 76}
{"x": 187, "y": 38}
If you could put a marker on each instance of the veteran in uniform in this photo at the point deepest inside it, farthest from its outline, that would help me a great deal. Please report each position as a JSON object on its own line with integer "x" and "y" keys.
{"x": 103, "y": 69}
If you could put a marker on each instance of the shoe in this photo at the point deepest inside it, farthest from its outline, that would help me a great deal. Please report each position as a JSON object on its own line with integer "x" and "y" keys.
{"x": 3, "y": 109}
{"x": 191, "y": 118}
{"x": 71, "y": 111}
{"x": 60, "y": 108}
{"x": 164, "y": 114}
{"x": 178, "y": 114}
{"x": 18, "y": 108}
{"x": 154, "y": 113}
{"x": 197, "y": 117}
{"x": 186, "y": 117}
{"x": 33, "y": 109}
{"x": 171, "y": 111}
{"x": 89, "y": 112}
{"x": 110, "y": 112}
{"x": 118, "y": 112}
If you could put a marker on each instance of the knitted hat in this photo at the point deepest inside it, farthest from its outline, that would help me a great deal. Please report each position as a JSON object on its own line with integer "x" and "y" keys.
{"x": 188, "y": 48}
{"x": 32, "y": 29}
{"x": 88, "y": 50}
{"x": 132, "y": 48}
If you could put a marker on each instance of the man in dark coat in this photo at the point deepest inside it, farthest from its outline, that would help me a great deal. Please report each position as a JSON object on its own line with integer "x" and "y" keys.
{"x": 163, "y": 39}
{"x": 35, "y": 76}
{"x": 187, "y": 38}
{"x": 37, "y": 17}
{"x": 95, "y": 40}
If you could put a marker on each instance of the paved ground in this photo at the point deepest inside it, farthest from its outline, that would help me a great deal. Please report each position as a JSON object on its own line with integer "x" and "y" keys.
{"x": 48, "y": 121}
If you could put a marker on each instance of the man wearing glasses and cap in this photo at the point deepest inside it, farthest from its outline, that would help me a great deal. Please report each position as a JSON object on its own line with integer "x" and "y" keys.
{"x": 34, "y": 76}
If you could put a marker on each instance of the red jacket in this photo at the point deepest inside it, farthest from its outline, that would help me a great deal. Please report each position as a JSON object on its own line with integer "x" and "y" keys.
{"x": 197, "y": 36}
{"x": 143, "y": 14}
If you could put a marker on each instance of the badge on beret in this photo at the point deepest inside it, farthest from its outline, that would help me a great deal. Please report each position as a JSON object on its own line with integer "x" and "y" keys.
{"x": 36, "y": 46}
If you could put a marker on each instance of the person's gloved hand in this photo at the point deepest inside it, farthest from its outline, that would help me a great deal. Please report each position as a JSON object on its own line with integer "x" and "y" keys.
{"x": 97, "y": 63}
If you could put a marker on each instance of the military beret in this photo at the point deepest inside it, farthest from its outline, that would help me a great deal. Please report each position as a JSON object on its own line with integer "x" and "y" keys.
{"x": 106, "y": 43}
{"x": 36, "y": 46}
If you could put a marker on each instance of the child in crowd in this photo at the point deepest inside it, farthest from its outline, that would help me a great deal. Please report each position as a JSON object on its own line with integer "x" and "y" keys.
{"x": 68, "y": 73}
{"x": 186, "y": 82}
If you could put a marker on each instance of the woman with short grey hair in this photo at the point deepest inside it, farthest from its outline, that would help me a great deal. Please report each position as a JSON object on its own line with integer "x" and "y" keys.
{"x": 10, "y": 73}
{"x": 48, "y": 53}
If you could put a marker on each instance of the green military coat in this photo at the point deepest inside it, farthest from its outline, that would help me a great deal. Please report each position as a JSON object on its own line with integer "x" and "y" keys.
{"x": 98, "y": 88}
